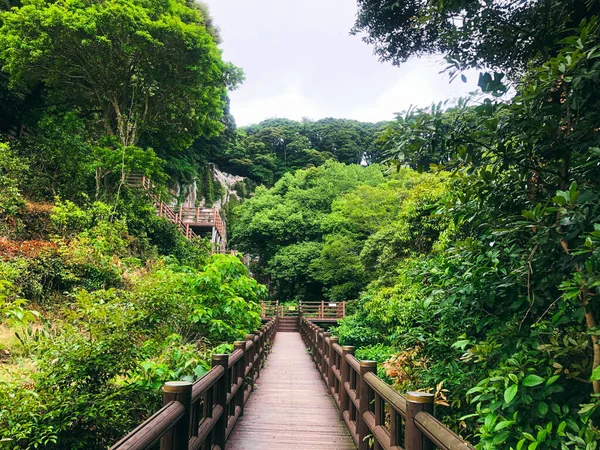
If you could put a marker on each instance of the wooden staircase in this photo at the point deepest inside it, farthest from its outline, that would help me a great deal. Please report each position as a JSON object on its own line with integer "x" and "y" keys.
{"x": 191, "y": 221}
{"x": 288, "y": 325}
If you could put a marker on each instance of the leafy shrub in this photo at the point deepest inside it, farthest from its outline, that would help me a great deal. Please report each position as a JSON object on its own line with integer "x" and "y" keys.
{"x": 377, "y": 352}
{"x": 12, "y": 170}
{"x": 99, "y": 370}
{"x": 353, "y": 331}
{"x": 13, "y": 309}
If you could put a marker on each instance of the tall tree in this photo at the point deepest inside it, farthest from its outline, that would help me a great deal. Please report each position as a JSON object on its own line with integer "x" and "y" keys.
{"x": 133, "y": 66}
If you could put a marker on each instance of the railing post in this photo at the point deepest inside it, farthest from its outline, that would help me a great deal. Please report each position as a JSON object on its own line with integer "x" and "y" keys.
{"x": 365, "y": 398}
{"x": 240, "y": 374}
{"x": 325, "y": 357}
{"x": 331, "y": 374}
{"x": 322, "y": 315}
{"x": 257, "y": 353}
{"x": 345, "y": 372}
{"x": 250, "y": 360}
{"x": 223, "y": 384}
{"x": 178, "y": 437}
{"x": 343, "y": 310}
{"x": 316, "y": 348}
{"x": 415, "y": 403}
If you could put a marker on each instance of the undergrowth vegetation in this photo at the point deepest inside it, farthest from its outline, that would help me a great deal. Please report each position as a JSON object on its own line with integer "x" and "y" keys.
{"x": 103, "y": 317}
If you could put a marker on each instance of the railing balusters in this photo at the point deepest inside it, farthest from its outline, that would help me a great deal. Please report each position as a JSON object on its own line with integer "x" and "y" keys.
{"x": 223, "y": 386}
{"x": 330, "y": 374}
{"x": 395, "y": 428}
{"x": 240, "y": 375}
{"x": 345, "y": 378}
{"x": 250, "y": 363}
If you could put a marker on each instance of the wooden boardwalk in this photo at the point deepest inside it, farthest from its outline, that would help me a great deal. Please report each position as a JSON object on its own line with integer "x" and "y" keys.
{"x": 290, "y": 408}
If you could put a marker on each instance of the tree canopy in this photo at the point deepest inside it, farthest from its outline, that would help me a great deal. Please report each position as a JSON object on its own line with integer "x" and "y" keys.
{"x": 499, "y": 35}
{"x": 266, "y": 151}
{"x": 137, "y": 73}
{"x": 315, "y": 231}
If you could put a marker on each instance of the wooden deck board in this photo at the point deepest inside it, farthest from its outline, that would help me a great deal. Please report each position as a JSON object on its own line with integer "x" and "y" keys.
{"x": 290, "y": 407}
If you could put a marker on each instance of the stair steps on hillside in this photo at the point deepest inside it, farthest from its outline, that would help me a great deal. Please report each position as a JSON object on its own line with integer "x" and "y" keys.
{"x": 288, "y": 325}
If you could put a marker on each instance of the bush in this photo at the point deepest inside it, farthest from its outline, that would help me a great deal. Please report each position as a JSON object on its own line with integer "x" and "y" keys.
{"x": 12, "y": 170}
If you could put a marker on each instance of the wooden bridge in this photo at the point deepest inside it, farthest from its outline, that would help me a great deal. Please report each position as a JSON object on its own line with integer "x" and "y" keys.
{"x": 311, "y": 393}
{"x": 192, "y": 222}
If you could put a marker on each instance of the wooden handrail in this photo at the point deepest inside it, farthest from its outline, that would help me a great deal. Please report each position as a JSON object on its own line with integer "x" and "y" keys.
{"x": 323, "y": 310}
{"x": 269, "y": 309}
{"x": 362, "y": 396}
{"x": 202, "y": 414}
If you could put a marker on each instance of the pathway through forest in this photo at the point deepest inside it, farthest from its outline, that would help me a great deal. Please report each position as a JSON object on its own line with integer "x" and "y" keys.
{"x": 291, "y": 407}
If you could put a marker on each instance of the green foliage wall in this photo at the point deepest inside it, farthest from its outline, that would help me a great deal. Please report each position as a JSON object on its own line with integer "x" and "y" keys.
{"x": 163, "y": 85}
{"x": 498, "y": 314}
{"x": 315, "y": 232}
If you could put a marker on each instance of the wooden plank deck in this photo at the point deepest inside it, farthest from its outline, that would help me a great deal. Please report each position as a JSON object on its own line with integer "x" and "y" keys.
{"x": 290, "y": 408}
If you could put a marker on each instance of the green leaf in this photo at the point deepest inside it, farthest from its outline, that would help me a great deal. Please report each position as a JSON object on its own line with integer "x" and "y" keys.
{"x": 510, "y": 393}
{"x": 500, "y": 437}
{"x": 503, "y": 424}
{"x": 595, "y": 374}
{"x": 529, "y": 436}
{"x": 543, "y": 408}
{"x": 532, "y": 380}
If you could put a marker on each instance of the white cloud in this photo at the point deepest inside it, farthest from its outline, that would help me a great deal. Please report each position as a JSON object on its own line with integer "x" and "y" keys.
{"x": 290, "y": 104}
{"x": 300, "y": 61}
{"x": 419, "y": 84}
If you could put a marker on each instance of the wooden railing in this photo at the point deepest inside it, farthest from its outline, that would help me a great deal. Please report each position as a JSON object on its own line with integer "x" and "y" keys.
{"x": 269, "y": 309}
{"x": 162, "y": 209}
{"x": 209, "y": 216}
{"x": 377, "y": 416}
{"x": 314, "y": 311}
{"x": 184, "y": 218}
{"x": 323, "y": 310}
{"x": 201, "y": 415}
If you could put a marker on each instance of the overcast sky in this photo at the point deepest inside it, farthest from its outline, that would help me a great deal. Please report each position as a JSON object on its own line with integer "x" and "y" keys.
{"x": 300, "y": 61}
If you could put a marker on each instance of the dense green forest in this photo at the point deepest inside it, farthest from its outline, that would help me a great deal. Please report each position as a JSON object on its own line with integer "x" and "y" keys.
{"x": 465, "y": 236}
{"x": 266, "y": 151}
